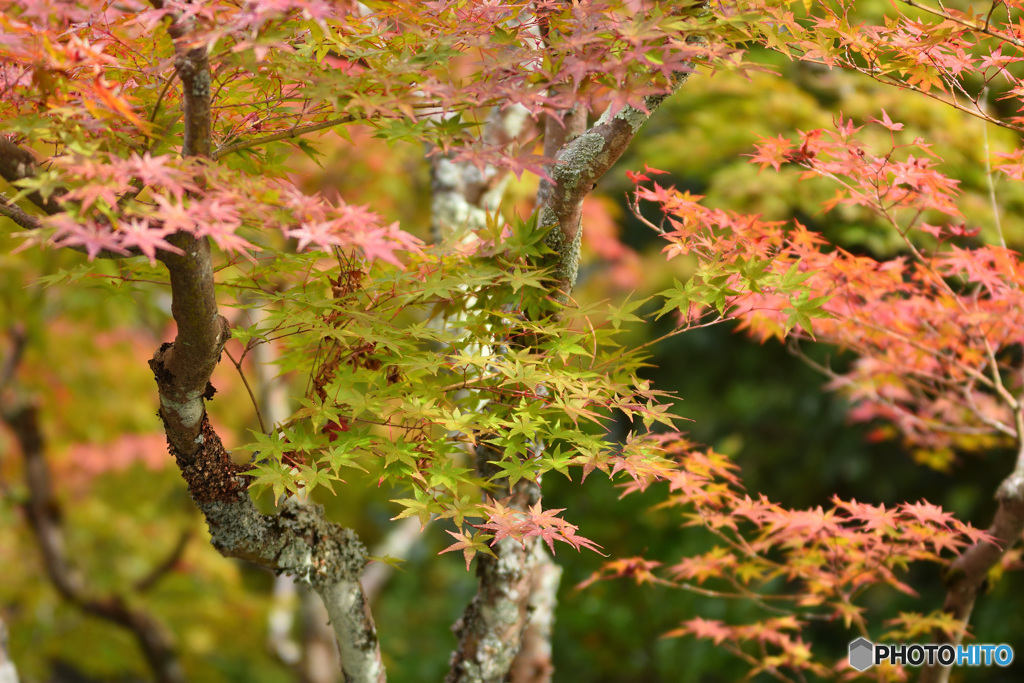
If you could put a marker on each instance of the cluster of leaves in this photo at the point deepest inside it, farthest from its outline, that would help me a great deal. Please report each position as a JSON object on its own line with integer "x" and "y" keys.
{"x": 100, "y": 92}
{"x": 284, "y": 67}
{"x": 416, "y": 364}
{"x": 934, "y": 331}
{"x": 408, "y": 377}
{"x": 104, "y": 211}
{"x": 957, "y": 53}
{"x": 804, "y": 565}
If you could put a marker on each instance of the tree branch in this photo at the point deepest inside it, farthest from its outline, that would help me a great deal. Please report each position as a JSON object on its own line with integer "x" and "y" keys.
{"x": 490, "y": 632}
{"x": 161, "y": 570}
{"x": 294, "y": 132}
{"x": 968, "y": 574}
{"x": 462, "y": 194}
{"x": 298, "y": 540}
{"x": 522, "y": 576}
{"x": 43, "y": 512}
{"x": 19, "y": 215}
{"x": 192, "y": 65}
{"x": 18, "y": 164}
{"x": 533, "y": 663}
{"x": 582, "y": 161}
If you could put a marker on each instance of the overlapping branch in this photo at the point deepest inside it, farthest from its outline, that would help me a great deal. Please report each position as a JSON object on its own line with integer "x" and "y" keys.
{"x": 967, "y": 576}
{"x": 491, "y": 628}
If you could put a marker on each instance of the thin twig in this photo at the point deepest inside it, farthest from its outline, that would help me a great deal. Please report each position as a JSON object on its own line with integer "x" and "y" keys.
{"x": 252, "y": 396}
{"x": 966, "y": 24}
{"x": 282, "y": 135}
{"x": 990, "y": 182}
{"x": 162, "y": 569}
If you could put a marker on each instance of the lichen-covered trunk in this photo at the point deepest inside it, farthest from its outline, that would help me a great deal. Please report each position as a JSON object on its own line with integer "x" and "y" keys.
{"x": 298, "y": 539}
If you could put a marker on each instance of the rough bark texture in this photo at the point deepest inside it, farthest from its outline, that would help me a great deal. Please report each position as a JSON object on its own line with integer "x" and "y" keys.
{"x": 193, "y": 68}
{"x": 491, "y": 628}
{"x": 490, "y": 631}
{"x": 581, "y": 162}
{"x": 533, "y": 663}
{"x": 967, "y": 575}
{"x": 298, "y": 540}
{"x": 183, "y": 369}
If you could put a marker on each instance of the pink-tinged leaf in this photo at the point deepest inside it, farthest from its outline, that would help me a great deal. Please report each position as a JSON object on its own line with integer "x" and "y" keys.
{"x": 230, "y": 241}
{"x": 926, "y": 513}
{"x": 887, "y": 122}
{"x": 175, "y": 215}
{"x": 321, "y": 235}
{"x": 155, "y": 171}
{"x": 95, "y": 190}
{"x": 469, "y": 545}
{"x": 137, "y": 234}
{"x": 382, "y": 243}
{"x": 86, "y": 233}
{"x": 507, "y": 522}
{"x": 710, "y": 629}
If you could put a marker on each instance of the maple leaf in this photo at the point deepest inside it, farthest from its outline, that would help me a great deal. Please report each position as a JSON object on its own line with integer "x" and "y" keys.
{"x": 175, "y": 215}
{"x": 636, "y": 568}
{"x": 887, "y": 122}
{"x": 772, "y": 152}
{"x": 152, "y": 170}
{"x": 711, "y": 629}
{"x": 88, "y": 234}
{"x": 108, "y": 94}
{"x": 926, "y": 513}
{"x": 228, "y": 240}
{"x": 382, "y": 242}
{"x": 470, "y": 545}
{"x": 89, "y": 193}
{"x": 137, "y": 233}
{"x": 874, "y": 517}
{"x": 320, "y": 234}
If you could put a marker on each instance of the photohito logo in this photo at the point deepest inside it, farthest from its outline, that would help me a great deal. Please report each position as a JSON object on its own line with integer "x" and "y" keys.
{"x": 864, "y": 654}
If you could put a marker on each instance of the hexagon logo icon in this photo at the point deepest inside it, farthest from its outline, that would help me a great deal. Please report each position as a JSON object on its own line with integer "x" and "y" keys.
{"x": 862, "y": 654}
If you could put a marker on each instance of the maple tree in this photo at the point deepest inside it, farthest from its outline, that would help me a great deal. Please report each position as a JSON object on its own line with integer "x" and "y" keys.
{"x": 459, "y": 372}
{"x": 935, "y": 331}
